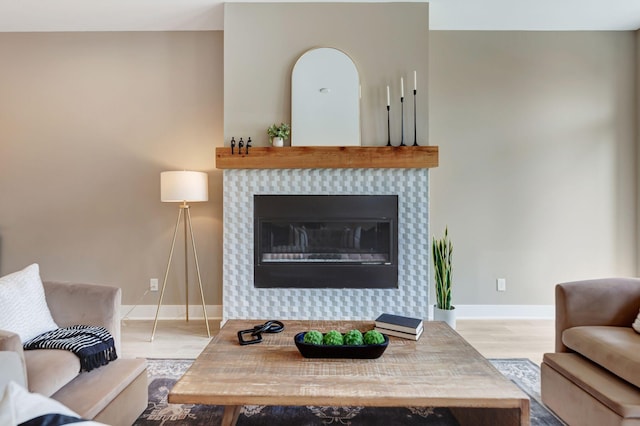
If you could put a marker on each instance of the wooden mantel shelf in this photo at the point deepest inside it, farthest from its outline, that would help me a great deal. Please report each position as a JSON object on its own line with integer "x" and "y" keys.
{"x": 329, "y": 157}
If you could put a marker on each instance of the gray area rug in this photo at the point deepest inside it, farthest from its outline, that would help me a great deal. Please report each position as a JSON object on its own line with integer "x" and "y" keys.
{"x": 163, "y": 373}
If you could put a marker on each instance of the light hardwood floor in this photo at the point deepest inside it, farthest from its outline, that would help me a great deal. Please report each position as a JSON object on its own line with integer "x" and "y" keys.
{"x": 492, "y": 338}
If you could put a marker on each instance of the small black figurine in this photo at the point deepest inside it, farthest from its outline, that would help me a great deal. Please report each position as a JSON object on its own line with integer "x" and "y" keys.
{"x": 240, "y": 145}
{"x": 233, "y": 144}
{"x": 248, "y": 145}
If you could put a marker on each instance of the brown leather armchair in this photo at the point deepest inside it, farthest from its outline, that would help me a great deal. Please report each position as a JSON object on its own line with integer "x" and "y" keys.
{"x": 593, "y": 378}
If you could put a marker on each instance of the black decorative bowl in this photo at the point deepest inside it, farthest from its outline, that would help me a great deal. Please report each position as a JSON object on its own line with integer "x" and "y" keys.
{"x": 309, "y": 350}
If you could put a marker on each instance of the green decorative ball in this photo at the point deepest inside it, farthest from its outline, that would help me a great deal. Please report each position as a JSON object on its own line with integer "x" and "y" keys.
{"x": 353, "y": 337}
{"x": 313, "y": 337}
{"x": 373, "y": 337}
{"x": 333, "y": 338}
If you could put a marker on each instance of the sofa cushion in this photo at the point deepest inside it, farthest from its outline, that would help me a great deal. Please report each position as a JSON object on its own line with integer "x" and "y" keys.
{"x": 615, "y": 348}
{"x": 636, "y": 324}
{"x": 50, "y": 369}
{"x": 23, "y": 307}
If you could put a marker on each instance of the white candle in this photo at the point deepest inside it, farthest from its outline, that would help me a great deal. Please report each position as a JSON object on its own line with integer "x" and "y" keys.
{"x": 415, "y": 81}
{"x": 388, "y": 97}
{"x": 401, "y": 87}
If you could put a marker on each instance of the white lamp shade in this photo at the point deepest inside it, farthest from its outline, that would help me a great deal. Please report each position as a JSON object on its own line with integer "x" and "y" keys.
{"x": 184, "y": 186}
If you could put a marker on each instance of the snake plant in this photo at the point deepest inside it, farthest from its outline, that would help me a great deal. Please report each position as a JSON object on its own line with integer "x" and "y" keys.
{"x": 442, "y": 250}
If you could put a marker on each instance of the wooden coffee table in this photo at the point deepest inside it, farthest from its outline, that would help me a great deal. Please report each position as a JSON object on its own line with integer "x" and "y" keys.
{"x": 439, "y": 370}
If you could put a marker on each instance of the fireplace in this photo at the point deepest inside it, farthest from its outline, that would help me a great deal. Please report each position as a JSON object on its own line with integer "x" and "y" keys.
{"x": 325, "y": 241}
{"x": 242, "y": 299}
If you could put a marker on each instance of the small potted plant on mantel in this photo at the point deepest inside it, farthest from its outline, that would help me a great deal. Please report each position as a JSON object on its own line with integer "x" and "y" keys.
{"x": 278, "y": 133}
{"x": 442, "y": 251}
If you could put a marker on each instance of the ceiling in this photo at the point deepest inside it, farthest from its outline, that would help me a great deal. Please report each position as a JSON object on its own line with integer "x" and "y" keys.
{"x": 185, "y": 15}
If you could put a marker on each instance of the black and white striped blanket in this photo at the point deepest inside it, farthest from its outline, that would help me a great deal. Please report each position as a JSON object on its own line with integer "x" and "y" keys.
{"x": 93, "y": 345}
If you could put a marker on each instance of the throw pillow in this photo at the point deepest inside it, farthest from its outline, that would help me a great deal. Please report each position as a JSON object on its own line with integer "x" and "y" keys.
{"x": 23, "y": 307}
{"x": 636, "y": 324}
{"x": 6, "y": 410}
{"x": 22, "y": 406}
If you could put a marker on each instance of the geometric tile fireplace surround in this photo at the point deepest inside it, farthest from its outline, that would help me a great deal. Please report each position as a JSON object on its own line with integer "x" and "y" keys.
{"x": 242, "y": 301}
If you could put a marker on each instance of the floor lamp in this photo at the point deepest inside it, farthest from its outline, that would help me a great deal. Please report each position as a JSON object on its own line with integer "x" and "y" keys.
{"x": 183, "y": 187}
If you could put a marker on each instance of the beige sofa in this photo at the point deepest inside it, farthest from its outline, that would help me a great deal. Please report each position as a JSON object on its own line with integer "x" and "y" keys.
{"x": 593, "y": 378}
{"x": 114, "y": 394}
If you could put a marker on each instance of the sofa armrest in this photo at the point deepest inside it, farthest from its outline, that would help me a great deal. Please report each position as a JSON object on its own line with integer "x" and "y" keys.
{"x": 10, "y": 342}
{"x": 607, "y": 301}
{"x": 87, "y": 304}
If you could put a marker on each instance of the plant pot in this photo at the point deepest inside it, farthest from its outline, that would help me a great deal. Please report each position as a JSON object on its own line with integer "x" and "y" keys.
{"x": 446, "y": 315}
{"x": 277, "y": 141}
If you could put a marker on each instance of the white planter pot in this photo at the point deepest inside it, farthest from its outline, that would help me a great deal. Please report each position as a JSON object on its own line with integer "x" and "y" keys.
{"x": 277, "y": 141}
{"x": 446, "y": 315}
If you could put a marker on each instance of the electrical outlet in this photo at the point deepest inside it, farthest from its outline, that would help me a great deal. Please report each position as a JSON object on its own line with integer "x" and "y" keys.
{"x": 501, "y": 284}
{"x": 153, "y": 284}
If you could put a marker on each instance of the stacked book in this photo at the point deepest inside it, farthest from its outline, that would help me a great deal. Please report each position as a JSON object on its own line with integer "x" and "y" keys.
{"x": 399, "y": 326}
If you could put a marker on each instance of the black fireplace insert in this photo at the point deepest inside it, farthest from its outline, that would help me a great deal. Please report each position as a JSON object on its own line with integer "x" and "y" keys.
{"x": 325, "y": 241}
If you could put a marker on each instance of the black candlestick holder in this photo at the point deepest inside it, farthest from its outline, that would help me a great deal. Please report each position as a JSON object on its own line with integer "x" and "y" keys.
{"x": 402, "y": 121}
{"x": 388, "y": 126}
{"x": 415, "y": 130}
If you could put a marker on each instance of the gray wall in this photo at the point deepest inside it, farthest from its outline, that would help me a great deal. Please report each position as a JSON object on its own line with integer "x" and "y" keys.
{"x": 87, "y": 123}
{"x": 263, "y": 41}
{"x": 637, "y": 130}
{"x": 537, "y": 136}
{"x": 537, "y": 178}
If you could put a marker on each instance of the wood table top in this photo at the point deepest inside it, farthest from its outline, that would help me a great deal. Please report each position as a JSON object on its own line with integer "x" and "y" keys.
{"x": 441, "y": 369}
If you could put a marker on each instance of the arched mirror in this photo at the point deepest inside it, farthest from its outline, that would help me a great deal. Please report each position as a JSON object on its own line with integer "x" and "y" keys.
{"x": 325, "y": 99}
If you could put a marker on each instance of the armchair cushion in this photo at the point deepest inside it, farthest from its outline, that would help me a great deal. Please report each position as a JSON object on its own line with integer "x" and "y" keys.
{"x": 20, "y": 406}
{"x": 23, "y": 307}
{"x": 604, "y": 301}
{"x": 48, "y": 370}
{"x": 615, "y": 348}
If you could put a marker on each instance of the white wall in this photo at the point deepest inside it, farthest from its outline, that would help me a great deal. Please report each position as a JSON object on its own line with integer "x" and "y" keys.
{"x": 537, "y": 178}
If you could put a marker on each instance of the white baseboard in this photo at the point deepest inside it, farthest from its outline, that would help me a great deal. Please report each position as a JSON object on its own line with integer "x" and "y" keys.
{"x": 504, "y": 312}
{"x": 214, "y": 312}
{"x": 169, "y": 312}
